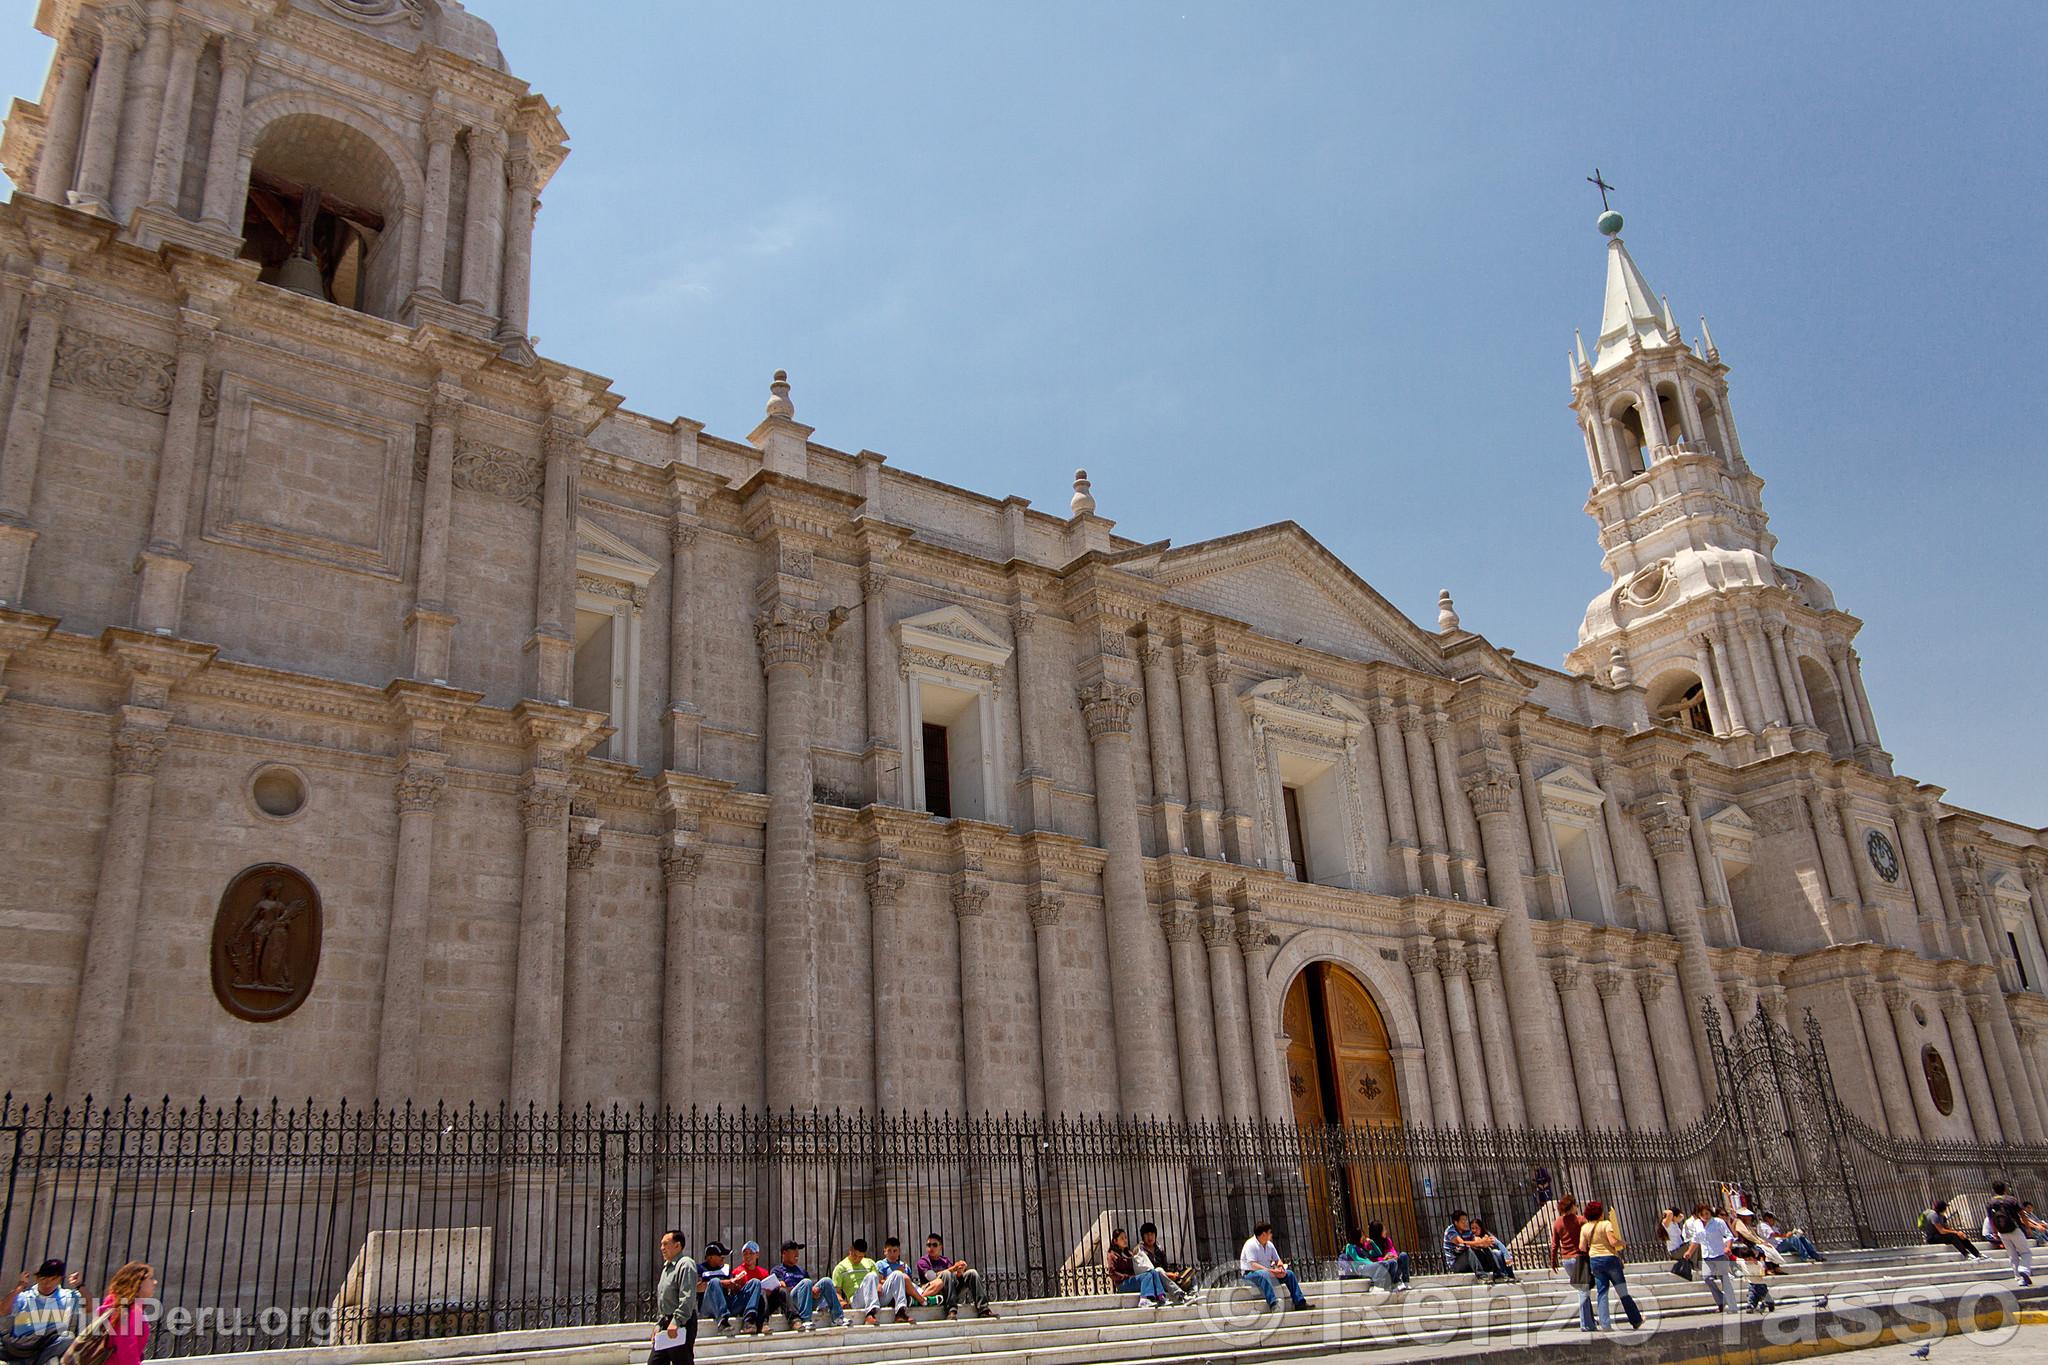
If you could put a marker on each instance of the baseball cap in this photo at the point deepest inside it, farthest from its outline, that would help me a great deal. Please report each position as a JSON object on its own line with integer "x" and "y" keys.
{"x": 53, "y": 1266}
{"x": 716, "y": 1249}
{"x": 754, "y": 1247}
{"x": 792, "y": 1246}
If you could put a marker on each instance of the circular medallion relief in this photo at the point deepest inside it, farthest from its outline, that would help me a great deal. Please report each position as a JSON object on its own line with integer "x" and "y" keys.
{"x": 1937, "y": 1080}
{"x": 1883, "y": 856}
{"x": 266, "y": 942}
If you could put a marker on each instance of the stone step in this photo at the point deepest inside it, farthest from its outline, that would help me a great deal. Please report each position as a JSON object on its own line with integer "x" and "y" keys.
{"x": 1103, "y": 1327}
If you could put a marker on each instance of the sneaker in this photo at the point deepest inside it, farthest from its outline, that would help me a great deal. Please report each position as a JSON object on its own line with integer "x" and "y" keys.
{"x": 1303, "y": 1304}
{"x": 727, "y": 1326}
{"x": 952, "y": 1315}
{"x": 806, "y": 1325}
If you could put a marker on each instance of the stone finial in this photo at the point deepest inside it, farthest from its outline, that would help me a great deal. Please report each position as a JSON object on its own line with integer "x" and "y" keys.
{"x": 778, "y": 401}
{"x": 1446, "y": 614}
{"x": 1083, "y": 501}
{"x": 1618, "y": 671}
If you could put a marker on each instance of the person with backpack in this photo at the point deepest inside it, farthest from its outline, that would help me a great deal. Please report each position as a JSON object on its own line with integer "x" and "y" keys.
{"x": 1934, "y": 1226}
{"x": 2005, "y": 1217}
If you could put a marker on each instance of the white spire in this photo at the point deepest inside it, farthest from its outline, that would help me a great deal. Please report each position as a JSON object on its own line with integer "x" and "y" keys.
{"x": 1631, "y": 309}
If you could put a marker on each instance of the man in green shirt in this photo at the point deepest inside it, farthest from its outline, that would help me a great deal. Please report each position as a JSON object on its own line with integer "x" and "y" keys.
{"x": 854, "y": 1277}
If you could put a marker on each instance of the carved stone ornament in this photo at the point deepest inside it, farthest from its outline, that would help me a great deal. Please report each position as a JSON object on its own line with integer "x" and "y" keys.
{"x": 117, "y": 372}
{"x": 480, "y": 467}
{"x": 266, "y": 942}
{"x": 409, "y": 12}
{"x": 1492, "y": 791}
{"x": 1938, "y": 1087}
{"x": 1106, "y": 707}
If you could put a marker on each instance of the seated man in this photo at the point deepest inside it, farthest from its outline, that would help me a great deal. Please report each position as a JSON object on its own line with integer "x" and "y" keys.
{"x": 1260, "y": 1264}
{"x": 807, "y": 1295}
{"x": 1182, "y": 1277}
{"x": 860, "y": 1283}
{"x": 894, "y": 1269}
{"x": 712, "y": 1273}
{"x": 957, "y": 1281}
{"x": 1935, "y": 1227}
{"x": 758, "y": 1292}
{"x": 1791, "y": 1242}
{"x": 1464, "y": 1254}
{"x": 2031, "y": 1221}
{"x": 44, "y": 1314}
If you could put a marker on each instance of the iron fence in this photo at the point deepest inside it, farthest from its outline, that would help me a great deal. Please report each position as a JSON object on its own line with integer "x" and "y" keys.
{"x": 275, "y": 1226}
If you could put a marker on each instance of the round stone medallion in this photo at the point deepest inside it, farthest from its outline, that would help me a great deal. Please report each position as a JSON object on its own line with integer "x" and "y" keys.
{"x": 1938, "y": 1088}
{"x": 266, "y": 942}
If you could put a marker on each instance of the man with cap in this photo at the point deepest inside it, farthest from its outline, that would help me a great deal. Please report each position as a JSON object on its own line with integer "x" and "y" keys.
{"x": 754, "y": 1287}
{"x": 805, "y": 1293}
{"x": 711, "y": 1291}
{"x": 44, "y": 1314}
{"x": 675, "y": 1305}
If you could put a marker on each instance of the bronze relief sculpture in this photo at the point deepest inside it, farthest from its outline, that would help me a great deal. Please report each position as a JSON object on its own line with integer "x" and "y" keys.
{"x": 266, "y": 942}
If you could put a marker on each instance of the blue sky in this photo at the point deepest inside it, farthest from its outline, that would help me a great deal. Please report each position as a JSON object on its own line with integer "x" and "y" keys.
{"x": 1323, "y": 262}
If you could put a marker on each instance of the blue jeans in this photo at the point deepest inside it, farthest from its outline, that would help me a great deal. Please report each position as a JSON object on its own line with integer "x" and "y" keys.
{"x": 1800, "y": 1245}
{"x": 713, "y": 1301}
{"x": 1263, "y": 1281}
{"x": 1146, "y": 1284}
{"x": 813, "y": 1293}
{"x": 1607, "y": 1274}
{"x": 763, "y": 1296}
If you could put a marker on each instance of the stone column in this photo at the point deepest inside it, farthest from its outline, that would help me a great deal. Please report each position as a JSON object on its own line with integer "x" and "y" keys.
{"x": 1710, "y": 686}
{"x": 1973, "y": 1079}
{"x": 1715, "y": 912}
{"x": 1467, "y": 1051}
{"x": 1612, "y": 843}
{"x": 537, "y": 993}
{"x": 1046, "y": 907}
{"x": 582, "y": 1000}
{"x": 1862, "y": 698}
{"x": 1715, "y": 645}
{"x": 1200, "y": 1083}
{"x": 516, "y": 282}
{"x": 1883, "y": 1040}
{"x": 54, "y": 170}
{"x": 890, "y": 942}
{"x": 432, "y": 624}
{"x": 1400, "y": 801}
{"x": 120, "y": 33}
{"x": 2029, "y": 1039}
{"x": 1665, "y": 826}
{"x": 1868, "y": 889}
{"x": 1483, "y": 966}
{"x": 441, "y": 129}
{"x": 1834, "y": 859}
{"x": 1838, "y": 657}
{"x": 1428, "y": 803}
{"x": 1671, "y": 1030}
{"x": 977, "y": 1013}
{"x": 1546, "y": 1076}
{"x": 885, "y": 750}
{"x": 160, "y": 596}
{"x": 1198, "y": 734}
{"x": 1972, "y": 933}
{"x": 1761, "y": 669}
{"x": 2036, "y": 877}
{"x": 553, "y": 644}
{"x": 1899, "y": 1001}
{"x": 145, "y": 108}
{"x": 99, "y": 1018}
{"x": 1996, "y": 1021}
{"x": 22, "y": 451}
{"x": 1550, "y": 893}
{"x": 167, "y": 160}
{"x": 1268, "y": 1042}
{"x": 1736, "y": 674}
{"x": 1362, "y": 776}
{"x": 1280, "y": 849}
{"x": 1464, "y": 840}
{"x": 1437, "y": 1055}
{"x": 1788, "y": 675}
{"x": 683, "y": 753}
{"x": 223, "y": 186}
{"x": 483, "y": 219}
{"x": 1628, "y": 1044}
{"x": 1239, "y": 844}
{"x": 1139, "y": 999}
{"x": 420, "y": 784}
{"x": 1162, "y": 728}
{"x": 790, "y": 638}
{"x": 1239, "y": 1086}
{"x": 1586, "y": 1026}
{"x": 1934, "y": 924}
{"x": 681, "y": 864}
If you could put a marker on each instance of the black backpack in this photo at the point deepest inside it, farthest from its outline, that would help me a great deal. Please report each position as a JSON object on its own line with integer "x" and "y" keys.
{"x": 2002, "y": 1216}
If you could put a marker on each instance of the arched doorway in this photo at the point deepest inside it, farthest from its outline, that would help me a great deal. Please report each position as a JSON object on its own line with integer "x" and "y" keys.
{"x": 1341, "y": 1072}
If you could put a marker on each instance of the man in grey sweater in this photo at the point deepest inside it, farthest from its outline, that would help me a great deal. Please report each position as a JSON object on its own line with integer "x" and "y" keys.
{"x": 675, "y": 1305}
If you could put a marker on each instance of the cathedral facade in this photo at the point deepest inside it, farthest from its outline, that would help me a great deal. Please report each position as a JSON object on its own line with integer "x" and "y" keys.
{"x": 389, "y": 711}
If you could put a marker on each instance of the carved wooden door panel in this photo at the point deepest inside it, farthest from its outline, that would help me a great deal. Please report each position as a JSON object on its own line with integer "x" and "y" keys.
{"x": 1304, "y": 1083}
{"x": 1362, "y": 1067}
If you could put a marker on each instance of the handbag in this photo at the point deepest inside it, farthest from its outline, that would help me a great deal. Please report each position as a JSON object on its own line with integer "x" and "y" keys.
{"x": 95, "y": 1345}
{"x": 1582, "y": 1270}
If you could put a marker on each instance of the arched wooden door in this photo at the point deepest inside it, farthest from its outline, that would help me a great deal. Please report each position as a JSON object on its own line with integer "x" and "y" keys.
{"x": 1340, "y": 1069}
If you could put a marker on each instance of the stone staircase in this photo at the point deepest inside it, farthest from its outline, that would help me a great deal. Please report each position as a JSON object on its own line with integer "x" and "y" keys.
{"x": 1439, "y": 1315}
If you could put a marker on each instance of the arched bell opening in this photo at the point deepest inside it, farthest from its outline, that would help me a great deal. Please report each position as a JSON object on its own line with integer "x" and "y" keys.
{"x": 1828, "y": 712}
{"x": 1678, "y": 699}
{"x": 321, "y": 213}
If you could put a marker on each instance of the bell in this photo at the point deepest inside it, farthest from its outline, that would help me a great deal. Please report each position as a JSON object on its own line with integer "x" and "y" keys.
{"x": 301, "y": 275}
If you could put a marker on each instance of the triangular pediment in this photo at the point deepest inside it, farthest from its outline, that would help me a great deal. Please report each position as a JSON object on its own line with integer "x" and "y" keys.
{"x": 1305, "y": 696}
{"x": 954, "y": 630}
{"x": 1286, "y": 585}
{"x": 605, "y": 555}
{"x": 1574, "y": 783}
{"x": 2007, "y": 883}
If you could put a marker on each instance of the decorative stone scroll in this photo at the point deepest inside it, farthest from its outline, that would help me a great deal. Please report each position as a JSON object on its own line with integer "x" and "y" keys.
{"x": 118, "y": 372}
{"x": 266, "y": 942}
{"x": 494, "y": 471}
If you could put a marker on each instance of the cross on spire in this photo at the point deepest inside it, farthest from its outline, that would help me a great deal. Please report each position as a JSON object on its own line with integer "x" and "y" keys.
{"x": 1604, "y": 187}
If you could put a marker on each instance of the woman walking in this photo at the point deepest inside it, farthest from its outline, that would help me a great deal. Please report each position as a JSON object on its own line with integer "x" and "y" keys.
{"x": 122, "y": 1321}
{"x": 1600, "y": 1241}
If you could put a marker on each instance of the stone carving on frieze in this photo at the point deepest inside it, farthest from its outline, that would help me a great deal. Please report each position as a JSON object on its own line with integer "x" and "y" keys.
{"x": 117, "y": 372}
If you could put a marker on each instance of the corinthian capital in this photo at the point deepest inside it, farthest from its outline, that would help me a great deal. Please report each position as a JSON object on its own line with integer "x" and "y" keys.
{"x": 1480, "y": 962}
{"x": 885, "y": 885}
{"x": 1565, "y": 973}
{"x": 583, "y": 852}
{"x": 1665, "y": 827}
{"x": 138, "y": 750}
{"x": 543, "y": 804}
{"x": 789, "y": 637}
{"x": 970, "y": 897}
{"x": 1177, "y": 921}
{"x": 680, "y": 864}
{"x": 1106, "y": 707}
{"x": 1491, "y": 790}
{"x": 1420, "y": 957}
{"x": 420, "y": 786}
{"x": 1045, "y": 908}
{"x": 1608, "y": 981}
{"x": 1217, "y": 930}
{"x": 1251, "y": 932}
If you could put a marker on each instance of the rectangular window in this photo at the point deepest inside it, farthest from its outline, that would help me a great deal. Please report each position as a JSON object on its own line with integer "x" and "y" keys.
{"x": 2026, "y": 982}
{"x": 595, "y": 667}
{"x": 1297, "y": 844}
{"x": 1581, "y": 872}
{"x": 938, "y": 773}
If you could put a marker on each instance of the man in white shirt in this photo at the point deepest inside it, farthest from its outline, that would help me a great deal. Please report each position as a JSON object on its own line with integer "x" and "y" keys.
{"x": 1259, "y": 1262}
{"x": 1711, "y": 1235}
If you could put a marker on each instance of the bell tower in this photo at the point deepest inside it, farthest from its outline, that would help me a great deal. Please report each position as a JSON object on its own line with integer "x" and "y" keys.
{"x": 374, "y": 154}
{"x": 1726, "y": 641}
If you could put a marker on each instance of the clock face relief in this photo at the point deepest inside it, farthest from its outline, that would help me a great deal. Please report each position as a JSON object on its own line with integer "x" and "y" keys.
{"x": 1882, "y": 856}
